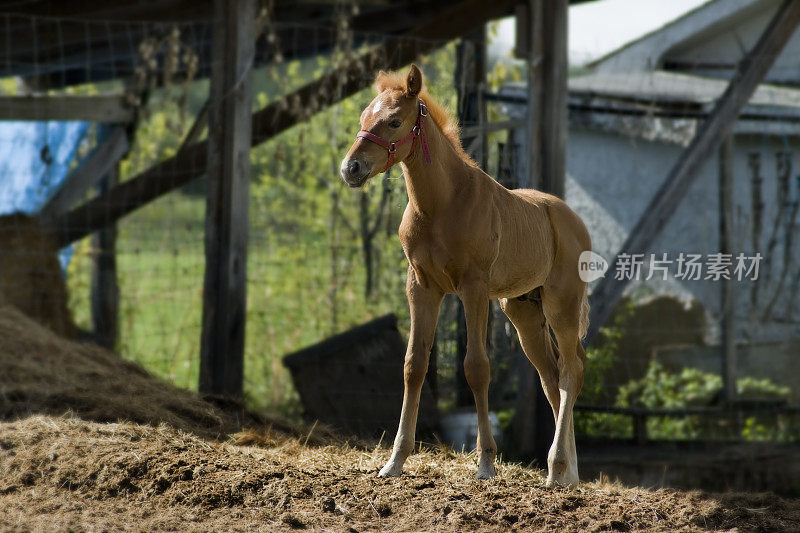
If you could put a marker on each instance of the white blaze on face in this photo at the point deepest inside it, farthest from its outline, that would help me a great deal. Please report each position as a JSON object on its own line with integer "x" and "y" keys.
{"x": 377, "y": 107}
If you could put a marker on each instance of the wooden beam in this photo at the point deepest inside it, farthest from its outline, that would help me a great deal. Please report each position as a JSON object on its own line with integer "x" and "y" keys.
{"x": 707, "y": 140}
{"x": 347, "y": 79}
{"x": 200, "y": 122}
{"x": 225, "y": 288}
{"x": 727, "y": 316}
{"x": 100, "y": 108}
{"x": 99, "y": 163}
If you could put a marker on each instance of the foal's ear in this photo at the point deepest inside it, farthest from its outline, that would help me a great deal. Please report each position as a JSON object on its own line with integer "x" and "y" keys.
{"x": 380, "y": 81}
{"x": 413, "y": 81}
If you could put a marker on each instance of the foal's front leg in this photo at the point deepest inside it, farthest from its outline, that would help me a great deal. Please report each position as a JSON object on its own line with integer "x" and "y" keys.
{"x": 424, "y": 305}
{"x": 475, "y": 297}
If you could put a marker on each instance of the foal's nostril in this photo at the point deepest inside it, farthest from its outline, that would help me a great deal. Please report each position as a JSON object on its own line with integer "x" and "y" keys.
{"x": 353, "y": 167}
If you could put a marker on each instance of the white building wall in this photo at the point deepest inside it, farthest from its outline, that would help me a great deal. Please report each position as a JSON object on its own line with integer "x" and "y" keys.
{"x": 612, "y": 179}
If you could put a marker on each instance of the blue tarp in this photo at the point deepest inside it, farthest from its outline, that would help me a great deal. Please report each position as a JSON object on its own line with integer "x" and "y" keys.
{"x": 34, "y": 159}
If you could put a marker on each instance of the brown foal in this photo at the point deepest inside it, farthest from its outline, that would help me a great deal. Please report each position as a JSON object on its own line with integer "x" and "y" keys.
{"x": 464, "y": 233}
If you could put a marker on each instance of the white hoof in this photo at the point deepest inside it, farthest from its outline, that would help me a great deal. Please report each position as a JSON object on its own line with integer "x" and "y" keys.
{"x": 562, "y": 474}
{"x": 391, "y": 469}
{"x": 486, "y": 471}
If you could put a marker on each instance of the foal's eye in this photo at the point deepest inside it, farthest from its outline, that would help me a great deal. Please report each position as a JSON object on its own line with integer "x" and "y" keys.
{"x": 395, "y": 123}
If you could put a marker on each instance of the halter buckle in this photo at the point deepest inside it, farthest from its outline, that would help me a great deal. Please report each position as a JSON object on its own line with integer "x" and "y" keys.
{"x": 416, "y": 130}
{"x": 423, "y": 109}
{"x": 392, "y": 147}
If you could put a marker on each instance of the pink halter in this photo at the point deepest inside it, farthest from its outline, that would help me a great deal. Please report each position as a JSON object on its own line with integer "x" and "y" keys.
{"x": 417, "y": 131}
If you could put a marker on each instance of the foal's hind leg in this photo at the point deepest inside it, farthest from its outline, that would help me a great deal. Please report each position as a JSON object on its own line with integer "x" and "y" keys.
{"x": 562, "y": 309}
{"x": 528, "y": 319}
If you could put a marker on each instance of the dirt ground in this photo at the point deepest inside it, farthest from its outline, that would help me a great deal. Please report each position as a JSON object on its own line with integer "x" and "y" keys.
{"x": 63, "y": 473}
{"x": 89, "y": 442}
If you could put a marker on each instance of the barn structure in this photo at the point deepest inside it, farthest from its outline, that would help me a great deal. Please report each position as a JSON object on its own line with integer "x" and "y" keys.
{"x": 632, "y": 113}
{"x": 52, "y": 47}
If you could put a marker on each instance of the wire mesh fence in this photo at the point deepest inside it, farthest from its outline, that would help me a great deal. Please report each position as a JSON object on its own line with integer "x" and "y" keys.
{"x": 322, "y": 258}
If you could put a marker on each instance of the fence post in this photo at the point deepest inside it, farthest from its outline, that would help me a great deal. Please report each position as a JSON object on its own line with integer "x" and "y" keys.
{"x": 639, "y": 428}
{"x": 228, "y": 164}
{"x": 728, "y": 343}
{"x": 104, "y": 288}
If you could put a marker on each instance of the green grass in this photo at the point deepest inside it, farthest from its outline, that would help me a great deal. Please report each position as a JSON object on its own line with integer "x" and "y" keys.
{"x": 290, "y": 303}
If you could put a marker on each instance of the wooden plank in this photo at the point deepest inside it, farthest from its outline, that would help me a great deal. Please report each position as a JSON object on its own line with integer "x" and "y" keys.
{"x": 727, "y": 286}
{"x": 225, "y": 287}
{"x": 275, "y": 118}
{"x": 99, "y": 163}
{"x": 709, "y": 136}
{"x": 99, "y": 108}
{"x": 104, "y": 295}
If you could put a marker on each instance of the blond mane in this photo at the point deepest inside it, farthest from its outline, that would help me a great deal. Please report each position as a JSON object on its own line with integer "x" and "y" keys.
{"x": 396, "y": 81}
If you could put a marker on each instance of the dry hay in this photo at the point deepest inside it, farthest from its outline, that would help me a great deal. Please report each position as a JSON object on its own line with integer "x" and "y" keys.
{"x": 41, "y": 372}
{"x": 30, "y": 274}
{"x": 64, "y": 473}
{"x": 176, "y": 463}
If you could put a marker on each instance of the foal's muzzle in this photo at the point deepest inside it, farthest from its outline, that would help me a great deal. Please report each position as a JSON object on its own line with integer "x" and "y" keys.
{"x": 354, "y": 172}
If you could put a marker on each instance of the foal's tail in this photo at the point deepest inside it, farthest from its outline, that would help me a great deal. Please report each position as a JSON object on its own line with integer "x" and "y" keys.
{"x": 583, "y": 324}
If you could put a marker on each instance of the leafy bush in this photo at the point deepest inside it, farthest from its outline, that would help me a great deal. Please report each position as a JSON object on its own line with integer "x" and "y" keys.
{"x": 661, "y": 388}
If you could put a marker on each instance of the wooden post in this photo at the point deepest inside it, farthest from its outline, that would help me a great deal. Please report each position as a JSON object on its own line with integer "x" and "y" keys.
{"x": 470, "y": 82}
{"x": 531, "y": 47}
{"x": 553, "y": 137}
{"x": 470, "y": 77}
{"x": 104, "y": 288}
{"x": 728, "y": 344}
{"x": 224, "y": 295}
{"x": 639, "y": 428}
{"x": 531, "y": 13}
{"x": 526, "y": 412}
{"x": 714, "y": 129}
{"x": 545, "y": 28}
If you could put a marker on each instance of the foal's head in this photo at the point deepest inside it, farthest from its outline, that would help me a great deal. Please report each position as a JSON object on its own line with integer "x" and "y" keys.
{"x": 391, "y": 116}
